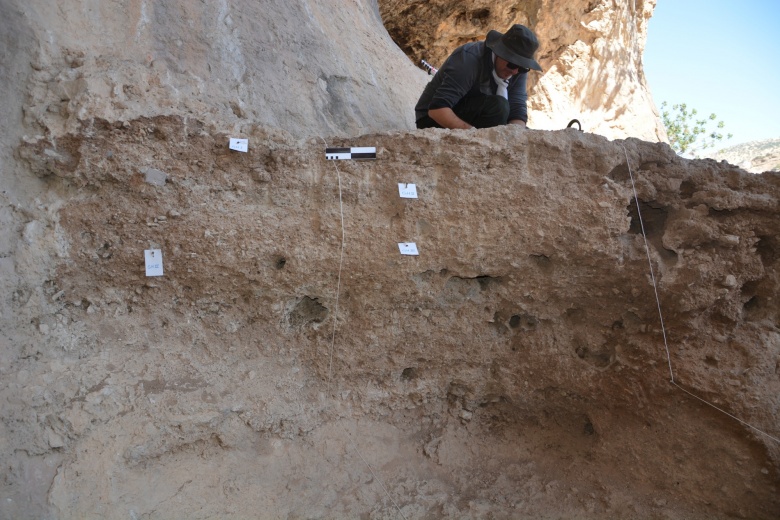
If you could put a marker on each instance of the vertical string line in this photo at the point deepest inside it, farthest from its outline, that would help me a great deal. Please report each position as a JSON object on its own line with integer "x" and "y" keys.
{"x": 650, "y": 263}
{"x": 338, "y": 283}
{"x": 333, "y": 336}
{"x": 660, "y": 314}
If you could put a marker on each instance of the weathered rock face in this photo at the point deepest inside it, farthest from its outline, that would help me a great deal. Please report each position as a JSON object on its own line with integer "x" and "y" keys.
{"x": 288, "y": 65}
{"x": 591, "y": 53}
{"x": 291, "y": 362}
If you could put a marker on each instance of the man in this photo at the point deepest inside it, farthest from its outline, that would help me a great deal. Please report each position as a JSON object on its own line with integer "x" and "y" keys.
{"x": 482, "y": 84}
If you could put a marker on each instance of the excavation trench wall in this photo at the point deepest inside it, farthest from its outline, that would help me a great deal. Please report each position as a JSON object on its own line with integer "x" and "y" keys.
{"x": 291, "y": 360}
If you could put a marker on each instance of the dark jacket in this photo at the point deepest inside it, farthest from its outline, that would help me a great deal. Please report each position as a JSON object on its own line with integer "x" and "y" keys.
{"x": 468, "y": 72}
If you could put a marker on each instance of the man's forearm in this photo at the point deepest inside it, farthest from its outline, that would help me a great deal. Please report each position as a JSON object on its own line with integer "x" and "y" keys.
{"x": 447, "y": 118}
{"x": 517, "y": 122}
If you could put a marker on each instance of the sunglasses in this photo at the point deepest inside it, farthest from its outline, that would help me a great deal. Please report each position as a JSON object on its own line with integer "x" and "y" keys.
{"x": 512, "y": 66}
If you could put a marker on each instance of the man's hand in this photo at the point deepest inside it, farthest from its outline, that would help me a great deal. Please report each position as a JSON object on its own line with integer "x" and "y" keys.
{"x": 447, "y": 119}
{"x": 517, "y": 122}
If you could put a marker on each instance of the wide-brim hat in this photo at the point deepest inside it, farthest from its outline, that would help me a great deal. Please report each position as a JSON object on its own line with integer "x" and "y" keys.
{"x": 517, "y": 46}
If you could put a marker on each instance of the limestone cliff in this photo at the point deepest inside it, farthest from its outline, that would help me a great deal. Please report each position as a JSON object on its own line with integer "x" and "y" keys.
{"x": 591, "y": 53}
{"x": 288, "y": 65}
{"x": 290, "y": 362}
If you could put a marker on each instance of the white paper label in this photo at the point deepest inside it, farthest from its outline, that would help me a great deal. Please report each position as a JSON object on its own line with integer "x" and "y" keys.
{"x": 240, "y": 145}
{"x": 154, "y": 264}
{"x": 407, "y": 191}
{"x": 363, "y": 149}
{"x": 408, "y": 248}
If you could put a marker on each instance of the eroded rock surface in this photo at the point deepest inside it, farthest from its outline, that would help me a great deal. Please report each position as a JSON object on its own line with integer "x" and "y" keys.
{"x": 287, "y": 65}
{"x": 591, "y": 53}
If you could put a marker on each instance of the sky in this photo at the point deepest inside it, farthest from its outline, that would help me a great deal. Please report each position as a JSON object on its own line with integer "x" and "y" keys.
{"x": 721, "y": 57}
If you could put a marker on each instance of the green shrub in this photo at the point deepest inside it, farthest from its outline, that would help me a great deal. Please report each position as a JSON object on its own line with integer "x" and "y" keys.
{"x": 688, "y": 135}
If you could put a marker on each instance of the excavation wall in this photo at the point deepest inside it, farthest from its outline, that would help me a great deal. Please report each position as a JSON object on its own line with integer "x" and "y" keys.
{"x": 290, "y": 362}
{"x": 293, "y": 362}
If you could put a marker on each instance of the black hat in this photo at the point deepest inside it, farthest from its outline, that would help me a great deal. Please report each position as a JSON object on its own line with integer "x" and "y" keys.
{"x": 517, "y": 46}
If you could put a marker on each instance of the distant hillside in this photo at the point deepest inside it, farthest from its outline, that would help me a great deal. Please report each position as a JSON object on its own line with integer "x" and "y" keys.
{"x": 754, "y": 156}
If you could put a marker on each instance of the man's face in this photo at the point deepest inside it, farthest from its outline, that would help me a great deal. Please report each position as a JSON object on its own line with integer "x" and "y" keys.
{"x": 504, "y": 69}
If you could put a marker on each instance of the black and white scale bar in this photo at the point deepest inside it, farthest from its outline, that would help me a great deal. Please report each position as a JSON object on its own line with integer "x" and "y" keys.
{"x": 338, "y": 154}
